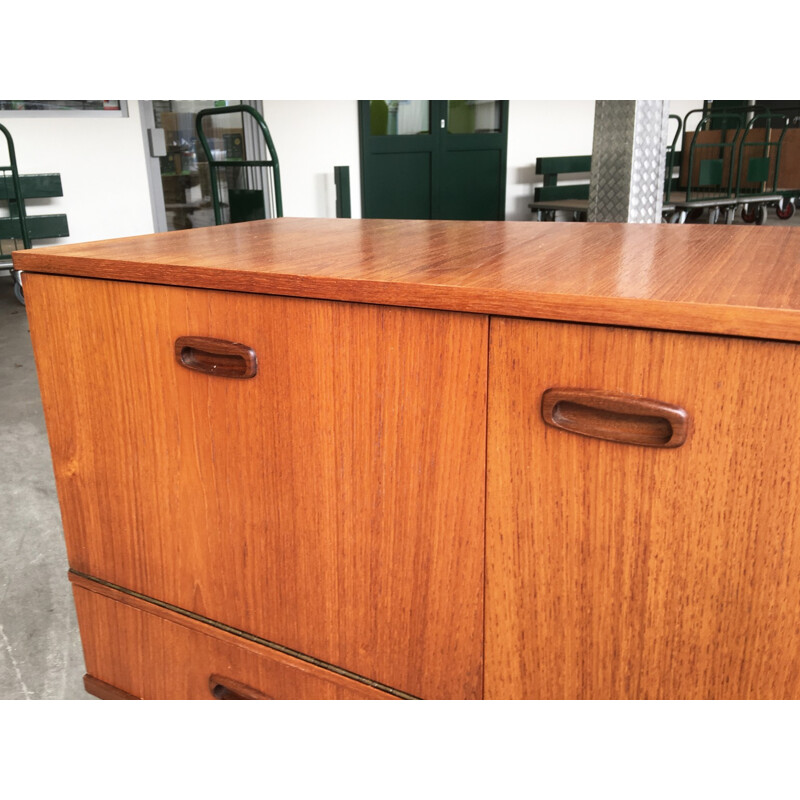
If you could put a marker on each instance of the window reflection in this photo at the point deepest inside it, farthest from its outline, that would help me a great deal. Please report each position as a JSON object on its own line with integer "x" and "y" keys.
{"x": 399, "y": 117}
{"x": 184, "y": 172}
{"x": 473, "y": 116}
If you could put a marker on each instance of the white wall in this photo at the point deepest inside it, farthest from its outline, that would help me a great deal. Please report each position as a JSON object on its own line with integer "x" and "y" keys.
{"x": 102, "y": 167}
{"x": 542, "y": 128}
{"x": 311, "y": 138}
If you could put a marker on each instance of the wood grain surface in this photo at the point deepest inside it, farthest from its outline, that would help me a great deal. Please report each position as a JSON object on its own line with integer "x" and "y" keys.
{"x": 333, "y": 504}
{"x": 616, "y": 571}
{"x": 153, "y": 654}
{"x": 703, "y": 278}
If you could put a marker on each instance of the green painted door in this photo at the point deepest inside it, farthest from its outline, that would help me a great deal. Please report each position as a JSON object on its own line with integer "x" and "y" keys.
{"x": 433, "y": 159}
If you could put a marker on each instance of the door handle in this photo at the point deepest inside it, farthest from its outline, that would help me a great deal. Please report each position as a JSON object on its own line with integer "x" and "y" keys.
{"x": 615, "y": 417}
{"x": 217, "y": 357}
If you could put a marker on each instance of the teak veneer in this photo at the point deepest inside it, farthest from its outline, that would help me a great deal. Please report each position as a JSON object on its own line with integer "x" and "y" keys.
{"x": 713, "y": 279}
{"x": 370, "y": 458}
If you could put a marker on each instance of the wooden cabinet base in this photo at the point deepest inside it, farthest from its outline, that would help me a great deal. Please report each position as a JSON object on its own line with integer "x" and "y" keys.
{"x": 139, "y": 650}
{"x": 105, "y": 691}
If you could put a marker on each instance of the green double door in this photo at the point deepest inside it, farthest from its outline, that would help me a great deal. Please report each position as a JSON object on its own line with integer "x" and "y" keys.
{"x": 433, "y": 159}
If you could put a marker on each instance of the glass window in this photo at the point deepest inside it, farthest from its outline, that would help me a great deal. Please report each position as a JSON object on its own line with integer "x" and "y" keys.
{"x": 399, "y": 117}
{"x": 473, "y": 116}
{"x": 60, "y": 105}
{"x": 64, "y": 108}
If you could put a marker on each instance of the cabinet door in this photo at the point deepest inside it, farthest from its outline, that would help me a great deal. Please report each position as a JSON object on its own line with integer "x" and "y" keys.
{"x": 333, "y": 504}
{"x": 625, "y": 571}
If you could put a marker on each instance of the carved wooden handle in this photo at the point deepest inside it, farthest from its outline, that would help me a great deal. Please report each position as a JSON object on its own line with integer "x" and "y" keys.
{"x": 229, "y": 689}
{"x": 616, "y": 417}
{"x": 216, "y": 357}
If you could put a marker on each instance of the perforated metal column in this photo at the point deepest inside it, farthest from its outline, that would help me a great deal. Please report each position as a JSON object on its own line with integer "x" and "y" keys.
{"x": 628, "y": 160}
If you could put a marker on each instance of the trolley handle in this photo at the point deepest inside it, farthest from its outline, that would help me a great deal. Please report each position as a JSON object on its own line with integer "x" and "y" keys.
{"x": 273, "y": 155}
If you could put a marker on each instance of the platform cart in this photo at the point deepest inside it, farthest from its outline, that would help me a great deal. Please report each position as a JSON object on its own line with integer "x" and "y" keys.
{"x": 759, "y": 157}
{"x": 787, "y": 176}
{"x": 15, "y": 227}
{"x": 710, "y": 165}
{"x": 242, "y": 188}
{"x": 671, "y": 183}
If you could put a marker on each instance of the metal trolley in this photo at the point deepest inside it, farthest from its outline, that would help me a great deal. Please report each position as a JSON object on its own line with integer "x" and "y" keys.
{"x": 786, "y": 184}
{"x": 760, "y": 155}
{"x": 733, "y": 161}
{"x": 242, "y": 189}
{"x": 15, "y": 225}
{"x": 710, "y": 162}
{"x": 671, "y": 183}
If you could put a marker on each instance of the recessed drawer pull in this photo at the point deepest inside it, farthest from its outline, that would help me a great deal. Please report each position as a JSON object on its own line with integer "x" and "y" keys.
{"x": 216, "y": 357}
{"x": 615, "y": 417}
{"x": 229, "y": 689}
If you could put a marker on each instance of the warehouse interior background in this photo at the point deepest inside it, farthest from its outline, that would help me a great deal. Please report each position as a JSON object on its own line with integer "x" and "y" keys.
{"x": 104, "y": 169}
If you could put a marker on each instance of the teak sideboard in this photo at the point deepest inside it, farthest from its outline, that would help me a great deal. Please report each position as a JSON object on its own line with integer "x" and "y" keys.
{"x": 424, "y": 459}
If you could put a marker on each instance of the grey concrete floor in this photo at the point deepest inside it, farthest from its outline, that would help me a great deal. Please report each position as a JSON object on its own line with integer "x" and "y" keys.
{"x": 40, "y": 650}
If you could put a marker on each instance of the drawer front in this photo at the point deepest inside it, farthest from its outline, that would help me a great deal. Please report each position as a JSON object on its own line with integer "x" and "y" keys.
{"x": 332, "y": 503}
{"x": 138, "y": 649}
{"x": 619, "y": 570}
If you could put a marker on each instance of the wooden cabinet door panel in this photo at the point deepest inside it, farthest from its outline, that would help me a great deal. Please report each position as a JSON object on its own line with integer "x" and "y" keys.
{"x": 333, "y": 504}
{"x": 627, "y": 571}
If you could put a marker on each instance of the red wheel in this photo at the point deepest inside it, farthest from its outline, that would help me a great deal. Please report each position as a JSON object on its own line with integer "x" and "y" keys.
{"x": 787, "y": 212}
{"x": 748, "y": 214}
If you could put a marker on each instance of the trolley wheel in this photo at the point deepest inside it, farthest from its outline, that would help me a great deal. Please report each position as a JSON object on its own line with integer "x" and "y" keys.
{"x": 761, "y": 215}
{"x": 748, "y": 214}
{"x": 18, "y": 289}
{"x": 713, "y": 215}
{"x": 730, "y": 215}
{"x": 695, "y": 213}
{"x": 787, "y": 212}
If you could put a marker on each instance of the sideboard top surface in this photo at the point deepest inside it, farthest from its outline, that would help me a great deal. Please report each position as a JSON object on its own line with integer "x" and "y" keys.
{"x": 713, "y": 279}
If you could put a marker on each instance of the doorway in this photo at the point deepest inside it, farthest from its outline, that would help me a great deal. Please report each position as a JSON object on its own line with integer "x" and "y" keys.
{"x": 180, "y": 185}
{"x": 433, "y": 159}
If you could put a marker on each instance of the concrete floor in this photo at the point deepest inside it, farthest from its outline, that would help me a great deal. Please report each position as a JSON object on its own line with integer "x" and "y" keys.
{"x": 40, "y": 649}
